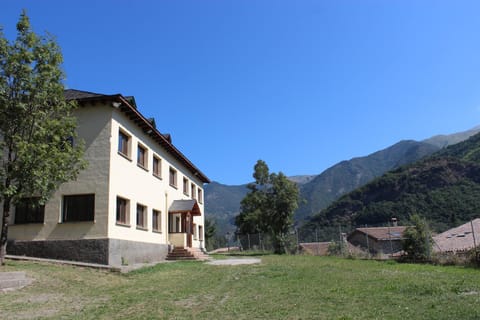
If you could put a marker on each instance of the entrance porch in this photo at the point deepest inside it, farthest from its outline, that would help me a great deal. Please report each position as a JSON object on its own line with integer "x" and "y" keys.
{"x": 181, "y": 228}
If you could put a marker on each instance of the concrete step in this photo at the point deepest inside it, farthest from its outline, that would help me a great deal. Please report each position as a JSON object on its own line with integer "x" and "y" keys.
{"x": 180, "y": 258}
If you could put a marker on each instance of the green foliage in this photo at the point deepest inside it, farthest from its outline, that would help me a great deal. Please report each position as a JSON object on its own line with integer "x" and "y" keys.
{"x": 445, "y": 188}
{"x": 335, "y": 248}
{"x": 418, "y": 240}
{"x": 38, "y": 142}
{"x": 349, "y": 175}
{"x": 269, "y": 206}
{"x": 210, "y": 232}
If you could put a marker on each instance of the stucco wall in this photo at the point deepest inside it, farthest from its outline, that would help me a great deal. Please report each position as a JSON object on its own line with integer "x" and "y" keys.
{"x": 94, "y": 128}
{"x": 139, "y": 185}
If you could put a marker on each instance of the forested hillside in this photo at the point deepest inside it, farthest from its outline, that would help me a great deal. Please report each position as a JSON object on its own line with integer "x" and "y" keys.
{"x": 444, "y": 188}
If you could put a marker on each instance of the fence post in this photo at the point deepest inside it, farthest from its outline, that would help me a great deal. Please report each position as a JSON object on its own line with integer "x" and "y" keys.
{"x": 368, "y": 246}
{"x": 298, "y": 242}
{"x": 474, "y": 241}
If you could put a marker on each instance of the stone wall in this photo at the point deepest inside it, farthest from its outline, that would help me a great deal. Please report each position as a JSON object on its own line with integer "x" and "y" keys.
{"x": 101, "y": 251}
{"x": 91, "y": 250}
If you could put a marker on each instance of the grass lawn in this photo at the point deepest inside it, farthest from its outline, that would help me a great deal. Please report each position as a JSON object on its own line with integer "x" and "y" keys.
{"x": 281, "y": 287}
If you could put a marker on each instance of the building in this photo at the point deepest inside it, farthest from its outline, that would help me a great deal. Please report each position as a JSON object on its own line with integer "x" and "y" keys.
{"x": 459, "y": 239}
{"x": 139, "y": 195}
{"x": 378, "y": 240}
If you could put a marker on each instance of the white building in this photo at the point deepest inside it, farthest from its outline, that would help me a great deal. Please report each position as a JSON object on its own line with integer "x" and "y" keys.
{"x": 138, "y": 195}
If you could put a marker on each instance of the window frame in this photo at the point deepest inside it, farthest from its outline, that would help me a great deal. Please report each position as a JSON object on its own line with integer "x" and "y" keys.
{"x": 124, "y": 144}
{"x": 157, "y": 169}
{"x": 126, "y": 213}
{"x": 78, "y": 216}
{"x": 142, "y": 159}
{"x": 156, "y": 222}
{"x": 143, "y": 215}
{"x": 25, "y": 205}
{"x": 194, "y": 190}
{"x": 185, "y": 186}
{"x": 173, "y": 177}
{"x": 200, "y": 195}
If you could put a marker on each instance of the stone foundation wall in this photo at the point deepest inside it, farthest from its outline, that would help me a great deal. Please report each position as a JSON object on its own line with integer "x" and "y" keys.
{"x": 89, "y": 250}
{"x": 101, "y": 251}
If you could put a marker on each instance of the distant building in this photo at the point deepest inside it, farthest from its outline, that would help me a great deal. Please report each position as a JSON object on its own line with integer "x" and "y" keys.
{"x": 138, "y": 196}
{"x": 459, "y": 239}
{"x": 379, "y": 240}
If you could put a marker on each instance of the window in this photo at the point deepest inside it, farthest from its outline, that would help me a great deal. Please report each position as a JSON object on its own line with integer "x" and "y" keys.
{"x": 200, "y": 195}
{"x": 78, "y": 207}
{"x": 195, "y": 234}
{"x": 185, "y": 186}
{"x": 200, "y": 233}
{"x": 123, "y": 209}
{"x": 142, "y": 156}
{"x": 157, "y": 167}
{"x": 141, "y": 216}
{"x": 156, "y": 220}
{"x": 173, "y": 177}
{"x": 29, "y": 211}
{"x": 194, "y": 191}
{"x": 124, "y": 144}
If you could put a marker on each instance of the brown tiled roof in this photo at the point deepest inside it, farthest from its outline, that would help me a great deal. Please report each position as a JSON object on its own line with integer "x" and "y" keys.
{"x": 72, "y": 94}
{"x": 459, "y": 238}
{"x": 180, "y": 206}
{"x": 382, "y": 233}
{"x": 128, "y": 107}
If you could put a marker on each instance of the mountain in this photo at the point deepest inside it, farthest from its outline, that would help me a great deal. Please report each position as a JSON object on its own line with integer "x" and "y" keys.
{"x": 222, "y": 202}
{"x": 349, "y": 175}
{"x": 300, "y": 180}
{"x": 444, "y": 188}
{"x": 443, "y": 141}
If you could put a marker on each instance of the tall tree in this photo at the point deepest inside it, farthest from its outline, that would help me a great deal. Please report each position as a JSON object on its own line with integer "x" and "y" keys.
{"x": 210, "y": 231}
{"x": 418, "y": 240}
{"x": 269, "y": 206}
{"x": 38, "y": 143}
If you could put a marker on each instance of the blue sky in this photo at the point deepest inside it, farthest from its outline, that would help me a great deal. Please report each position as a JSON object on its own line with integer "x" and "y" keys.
{"x": 300, "y": 84}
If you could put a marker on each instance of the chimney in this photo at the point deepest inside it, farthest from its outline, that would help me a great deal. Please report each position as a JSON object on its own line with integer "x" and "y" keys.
{"x": 394, "y": 222}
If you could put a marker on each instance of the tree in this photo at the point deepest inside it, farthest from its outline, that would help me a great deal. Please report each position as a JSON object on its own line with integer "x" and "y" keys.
{"x": 418, "y": 240}
{"x": 269, "y": 206}
{"x": 210, "y": 231}
{"x": 37, "y": 130}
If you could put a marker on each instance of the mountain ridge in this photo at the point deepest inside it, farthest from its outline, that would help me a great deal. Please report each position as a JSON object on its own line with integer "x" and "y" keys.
{"x": 222, "y": 202}
{"x": 444, "y": 188}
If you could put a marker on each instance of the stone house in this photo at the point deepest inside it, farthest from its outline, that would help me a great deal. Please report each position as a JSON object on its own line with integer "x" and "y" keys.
{"x": 138, "y": 196}
{"x": 378, "y": 240}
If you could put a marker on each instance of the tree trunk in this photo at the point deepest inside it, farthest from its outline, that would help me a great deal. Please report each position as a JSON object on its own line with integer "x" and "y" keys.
{"x": 4, "y": 233}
